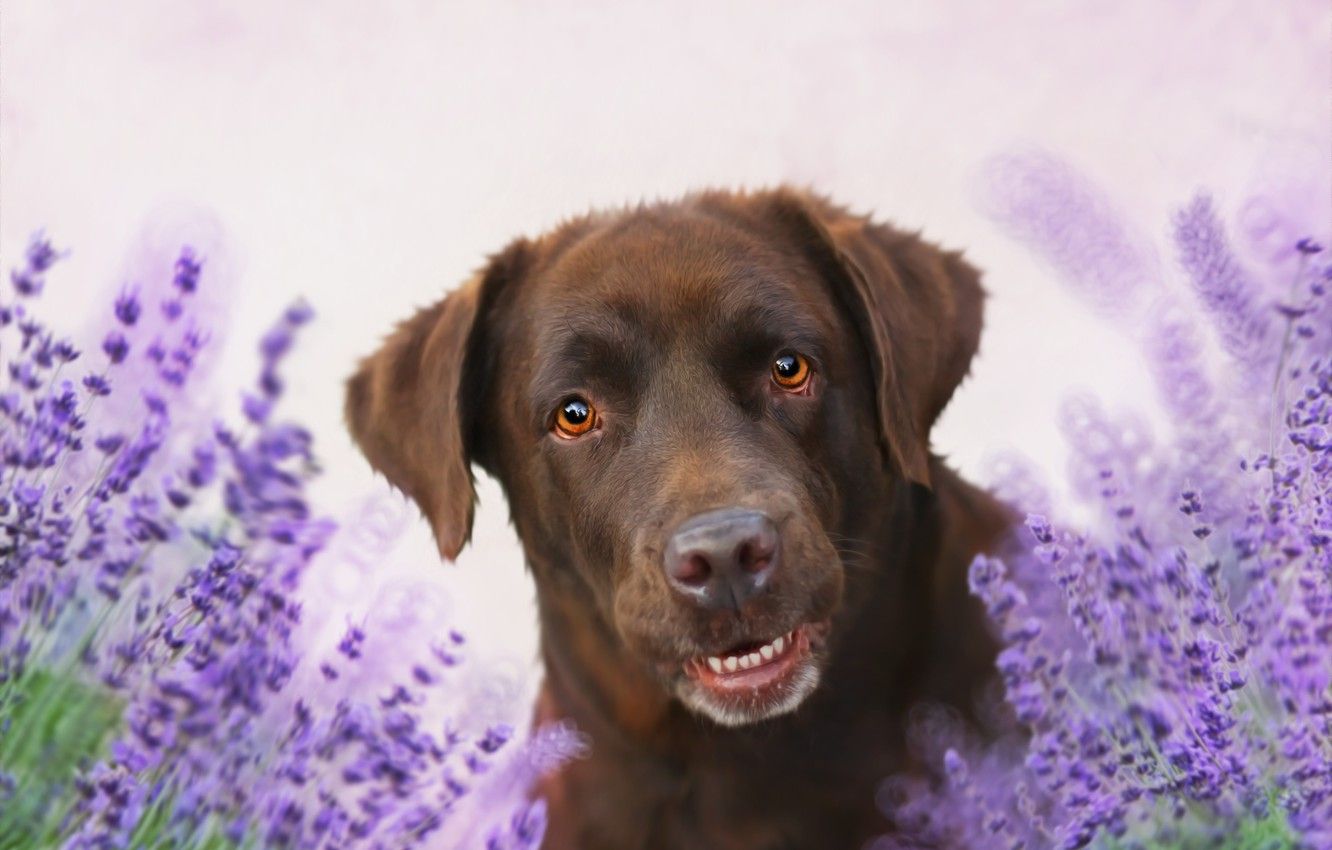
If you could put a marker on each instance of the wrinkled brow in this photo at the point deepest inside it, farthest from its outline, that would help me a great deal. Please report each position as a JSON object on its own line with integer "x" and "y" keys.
{"x": 752, "y": 330}
{"x": 599, "y": 350}
{"x": 608, "y": 350}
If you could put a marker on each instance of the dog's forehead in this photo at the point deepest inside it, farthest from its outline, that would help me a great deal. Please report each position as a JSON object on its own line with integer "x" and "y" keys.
{"x": 670, "y": 269}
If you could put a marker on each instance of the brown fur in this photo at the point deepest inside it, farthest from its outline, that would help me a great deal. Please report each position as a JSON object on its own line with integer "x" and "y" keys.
{"x": 667, "y": 317}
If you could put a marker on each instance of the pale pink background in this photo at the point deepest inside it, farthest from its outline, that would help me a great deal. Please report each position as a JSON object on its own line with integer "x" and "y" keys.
{"x": 368, "y": 155}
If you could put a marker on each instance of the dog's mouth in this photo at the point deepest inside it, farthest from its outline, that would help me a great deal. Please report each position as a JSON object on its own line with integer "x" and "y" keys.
{"x": 751, "y": 664}
{"x": 756, "y": 680}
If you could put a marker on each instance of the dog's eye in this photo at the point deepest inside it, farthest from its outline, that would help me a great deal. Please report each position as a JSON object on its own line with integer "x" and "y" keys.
{"x": 790, "y": 371}
{"x": 574, "y": 418}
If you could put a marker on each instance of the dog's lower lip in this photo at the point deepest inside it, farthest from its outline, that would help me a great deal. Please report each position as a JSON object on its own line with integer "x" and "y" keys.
{"x": 751, "y": 669}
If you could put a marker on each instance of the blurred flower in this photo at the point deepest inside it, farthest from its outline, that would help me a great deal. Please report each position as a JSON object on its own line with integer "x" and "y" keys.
{"x": 127, "y": 307}
{"x": 1167, "y": 669}
{"x": 1041, "y": 201}
{"x": 123, "y": 568}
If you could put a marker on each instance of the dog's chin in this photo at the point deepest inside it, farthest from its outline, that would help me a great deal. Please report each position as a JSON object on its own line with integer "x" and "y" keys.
{"x": 755, "y": 682}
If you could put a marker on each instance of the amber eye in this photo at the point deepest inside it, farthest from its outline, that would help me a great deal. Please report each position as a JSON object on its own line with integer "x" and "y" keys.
{"x": 790, "y": 371}
{"x": 574, "y": 418}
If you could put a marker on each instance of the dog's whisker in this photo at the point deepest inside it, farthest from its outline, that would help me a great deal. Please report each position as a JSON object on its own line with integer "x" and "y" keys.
{"x": 858, "y": 565}
{"x": 844, "y": 540}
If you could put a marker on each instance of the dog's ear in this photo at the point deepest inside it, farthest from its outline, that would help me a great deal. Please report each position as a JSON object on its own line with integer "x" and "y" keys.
{"x": 916, "y": 308}
{"x": 411, "y": 406}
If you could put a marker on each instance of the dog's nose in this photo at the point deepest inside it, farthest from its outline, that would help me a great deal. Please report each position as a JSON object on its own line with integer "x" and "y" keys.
{"x": 722, "y": 558}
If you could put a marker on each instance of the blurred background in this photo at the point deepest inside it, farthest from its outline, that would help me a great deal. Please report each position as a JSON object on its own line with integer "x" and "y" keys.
{"x": 367, "y": 157}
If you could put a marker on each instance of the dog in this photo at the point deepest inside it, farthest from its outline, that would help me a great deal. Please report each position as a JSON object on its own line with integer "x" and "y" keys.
{"x": 711, "y": 420}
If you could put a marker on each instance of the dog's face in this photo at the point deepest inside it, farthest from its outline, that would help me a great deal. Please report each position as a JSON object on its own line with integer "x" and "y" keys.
{"x": 689, "y": 407}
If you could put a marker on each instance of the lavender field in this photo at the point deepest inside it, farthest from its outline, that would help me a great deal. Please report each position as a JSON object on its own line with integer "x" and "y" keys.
{"x": 150, "y": 681}
{"x": 1166, "y": 679}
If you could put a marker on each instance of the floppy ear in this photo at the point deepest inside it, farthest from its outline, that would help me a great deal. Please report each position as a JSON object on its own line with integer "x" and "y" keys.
{"x": 916, "y": 308}
{"x": 410, "y": 406}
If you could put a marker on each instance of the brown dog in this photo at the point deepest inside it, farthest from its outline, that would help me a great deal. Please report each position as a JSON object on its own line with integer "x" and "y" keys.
{"x": 711, "y": 419}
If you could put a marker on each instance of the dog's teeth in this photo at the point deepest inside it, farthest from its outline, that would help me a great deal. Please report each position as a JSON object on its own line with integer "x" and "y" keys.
{"x": 763, "y": 654}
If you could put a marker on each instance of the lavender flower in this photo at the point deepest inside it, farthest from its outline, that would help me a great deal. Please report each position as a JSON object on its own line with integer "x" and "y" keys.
{"x": 1167, "y": 668}
{"x": 28, "y": 280}
{"x": 1221, "y": 285}
{"x": 188, "y": 268}
{"x": 111, "y": 562}
{"x": 1046, "y": 204}
{"x": 128, "y": 307}
{"x": 116, "y": 347}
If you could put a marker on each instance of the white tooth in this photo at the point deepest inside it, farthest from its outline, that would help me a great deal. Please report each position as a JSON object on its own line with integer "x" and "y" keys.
{"x": 754, "y": 659}
{"x": 731, "y": 663}
{"x": 767, "y": 652}
{"x": 745, "y": 663}
{"x": 779, "y": 644}
{"x": 715, "y": 664}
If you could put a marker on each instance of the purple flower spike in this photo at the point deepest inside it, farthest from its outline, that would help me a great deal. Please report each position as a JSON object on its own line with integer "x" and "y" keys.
{"x": 188, "y": 268}
{"x": 97, "y": 385}
{"x": 299, "y": 313}
{"x": 275, "y": 343}
{"x": 110, "y": 444}
{"x": 1166, "y": 667}
{"x": 26, "y": 283}
{"x": 350, "y": 645}
{"x": 29, "y": 280}
{"x": 40, "y": 254}
{"x": 128, "y": 307}
{"x": 186, "y": 550}
{"x": 116, "y": 347}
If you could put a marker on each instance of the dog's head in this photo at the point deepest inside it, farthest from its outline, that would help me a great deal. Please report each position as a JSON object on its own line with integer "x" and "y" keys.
{"x": 692, "y": 408}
